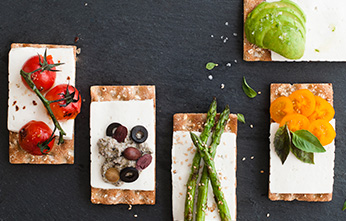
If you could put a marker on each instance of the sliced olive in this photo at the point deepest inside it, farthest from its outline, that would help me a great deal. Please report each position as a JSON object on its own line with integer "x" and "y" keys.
{"x": 112, "y": 175}
{"x": 111, "y": 129}
{"x": 120, "y": 134}
{"x": 129, "y": 174}
{"x": 139, "y": 134}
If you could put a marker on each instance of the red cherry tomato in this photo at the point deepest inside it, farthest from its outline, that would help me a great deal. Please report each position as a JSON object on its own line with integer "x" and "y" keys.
{"x": 34, "y": 133}
{"x": 43, "y": 80}
{"x": 65, "y": 109}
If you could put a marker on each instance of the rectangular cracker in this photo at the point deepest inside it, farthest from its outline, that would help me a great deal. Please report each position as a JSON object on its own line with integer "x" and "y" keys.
{"x": 323, "y": 90}
{"x": 195, "y": 122}
{"x": 250, "y": 51}
{"x": 122, "y": 93}
{"x": 61, "y": 154}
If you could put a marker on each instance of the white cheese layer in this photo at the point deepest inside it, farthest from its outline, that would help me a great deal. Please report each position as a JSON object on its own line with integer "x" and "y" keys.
{"x": 325, "y": 30}
{"x": 23, "y": 104}
{"x": 183, "y": 152}
{"x": 129, "y": 114}
{"x": 298, "y": 177}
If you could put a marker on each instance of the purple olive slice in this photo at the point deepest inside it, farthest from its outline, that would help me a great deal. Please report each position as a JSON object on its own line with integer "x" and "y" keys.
{"x": 143, "y": 162}
{"x": 139, "y": 134}
{"x": 129, "y": 174}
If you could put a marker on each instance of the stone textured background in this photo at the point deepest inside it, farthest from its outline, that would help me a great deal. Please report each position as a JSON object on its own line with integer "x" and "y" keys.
{"x": 165, "y": 43}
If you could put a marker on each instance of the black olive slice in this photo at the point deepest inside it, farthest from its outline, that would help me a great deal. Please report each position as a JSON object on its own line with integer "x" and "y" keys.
{"x": 129, "y": 174}
{"x": 111, "y": 128}
{"x": 139, "y": 134}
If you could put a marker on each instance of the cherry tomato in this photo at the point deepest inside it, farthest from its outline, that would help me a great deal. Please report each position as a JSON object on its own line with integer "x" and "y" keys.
{"x": 43, "y": 80}
{"x": 65, "y": 109}
{"x": 34, "y": 133}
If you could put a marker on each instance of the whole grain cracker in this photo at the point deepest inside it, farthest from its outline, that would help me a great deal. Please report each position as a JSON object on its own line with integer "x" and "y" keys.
{"x": 61, "y": 154}
{"x": 196, "y": 121}
{"x": 323, "y": 90}
{"x": 122, "y": 93}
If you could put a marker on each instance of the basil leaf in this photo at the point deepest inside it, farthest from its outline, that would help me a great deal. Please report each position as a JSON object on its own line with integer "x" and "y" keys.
{"x": 303, "y": 156}
{"x": 210, "y": 66}
{"x": 241, "y": 118}
{"x": 306, "y": 141}
{"x": 248, "y": 90}
{"x": 343, "y": 208}
{"x": 282, "y": 143}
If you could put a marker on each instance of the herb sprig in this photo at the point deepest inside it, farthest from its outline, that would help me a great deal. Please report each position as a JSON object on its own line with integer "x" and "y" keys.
{"x": 302, "y": 143}
{"x": 241, "y": 118}
{"x": 251, "y": 93}
{"x": 211, "y": 65}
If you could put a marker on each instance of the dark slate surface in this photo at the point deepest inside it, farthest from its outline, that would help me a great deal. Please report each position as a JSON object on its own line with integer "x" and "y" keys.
{"x": 166, "y": 43}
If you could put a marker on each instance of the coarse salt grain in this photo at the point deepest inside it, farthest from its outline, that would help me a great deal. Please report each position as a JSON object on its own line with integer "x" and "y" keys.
{"x": 226, "y": 23}
{"x": 251, "y": 125}
{"x": 78, "y": 51}
{"x": 212, "y": 36}
{"x": 229, "y": 64}
{"x": 210, "y": 77}
{"x": 259, "y": 92}
{"x": 222, "y": 86}
{"x": 235, "y": 61}
{"x": 252, "y": 157}
{"x": 268, "y": 214}
{"x": 135, "y": 215}
{"x": 235, "y": 34}
{"x": 243, "y": 159}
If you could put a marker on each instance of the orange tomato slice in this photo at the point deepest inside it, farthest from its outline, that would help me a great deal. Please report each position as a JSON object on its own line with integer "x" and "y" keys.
{"x": 295, "y": 122}
{"x": 303, "y": 102}
{"x": 323, "y": 110}
{"x": 323, "y": 130}
{"x": 280, "y": 108}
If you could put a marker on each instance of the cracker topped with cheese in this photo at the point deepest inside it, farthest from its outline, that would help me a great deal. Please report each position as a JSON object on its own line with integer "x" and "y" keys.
{"x": 183, "y": 152}
{"x": 122, "y": 138}
{"x": 25, "y": 107}
{"x": 322, "y": 29}
{"x": 304, "y": 172}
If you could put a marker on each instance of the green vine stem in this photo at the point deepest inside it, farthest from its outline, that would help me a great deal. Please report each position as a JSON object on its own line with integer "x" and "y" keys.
{"x": 27, "y": 78}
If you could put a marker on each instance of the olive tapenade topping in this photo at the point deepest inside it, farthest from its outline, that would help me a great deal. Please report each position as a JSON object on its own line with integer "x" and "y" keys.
{"x": 139, "y": 134}
{"x": 125, "y": 158}
{"x": 129, "y": 174}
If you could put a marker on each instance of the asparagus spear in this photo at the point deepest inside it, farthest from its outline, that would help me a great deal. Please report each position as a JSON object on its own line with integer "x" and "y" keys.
{"x": 215, "y": 182}
{"x": 192, "y": 181}
{"x": 204, "y": 182}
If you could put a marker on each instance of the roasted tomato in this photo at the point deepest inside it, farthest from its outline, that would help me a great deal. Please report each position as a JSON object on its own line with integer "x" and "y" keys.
{"x": 44, "y": 79}
{"x": 68, "y": 101}
{"x": 35, "y": 138}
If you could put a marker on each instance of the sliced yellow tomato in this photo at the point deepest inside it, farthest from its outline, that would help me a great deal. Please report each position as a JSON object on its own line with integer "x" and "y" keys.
{"x": 295, "y": 122}
{"x": 303, "y": 102}
{"x": 323, "y": 130}
{"x": 323, "y": 110}
{"x": 280, "y": 108}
